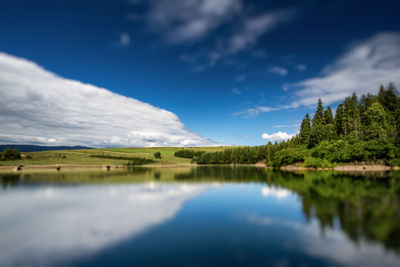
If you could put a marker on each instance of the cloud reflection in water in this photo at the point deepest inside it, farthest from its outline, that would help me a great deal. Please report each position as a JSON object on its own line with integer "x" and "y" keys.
{"x": 48, "y": 225}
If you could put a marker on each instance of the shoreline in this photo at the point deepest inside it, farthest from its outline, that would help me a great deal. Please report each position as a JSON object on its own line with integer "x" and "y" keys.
{"x": 59, "y": 167}
{"x": 344, "y": 168}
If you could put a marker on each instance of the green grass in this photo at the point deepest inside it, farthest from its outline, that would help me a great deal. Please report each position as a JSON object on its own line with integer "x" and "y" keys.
{"x": 85, "y": 156}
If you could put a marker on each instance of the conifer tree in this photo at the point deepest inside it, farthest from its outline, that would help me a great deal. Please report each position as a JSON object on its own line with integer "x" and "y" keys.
{"x": 319, "y": 114}
{"x": 305, "y": 129}
{"x": 377, "y": 123}
{"x": 339, "y": 120}
{"x": 328, "y": 116}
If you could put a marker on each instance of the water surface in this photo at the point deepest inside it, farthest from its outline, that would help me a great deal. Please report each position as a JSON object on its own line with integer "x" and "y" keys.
{"x": 199, "y": 217}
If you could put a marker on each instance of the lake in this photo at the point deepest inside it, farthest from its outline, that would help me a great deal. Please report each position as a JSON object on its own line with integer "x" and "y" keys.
{"x": 199, "y": 216}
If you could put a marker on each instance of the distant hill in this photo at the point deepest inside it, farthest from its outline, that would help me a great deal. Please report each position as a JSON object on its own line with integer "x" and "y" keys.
{"x": 33, "y": 148}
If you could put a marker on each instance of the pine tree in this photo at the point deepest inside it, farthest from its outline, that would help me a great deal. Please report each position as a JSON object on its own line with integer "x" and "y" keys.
{"x": 377, "y": 123}
{"x": 350, "y": 117}
{"x": 319, "y": 114}
{"x": 339, "y": 120}
{"x": 305, "y": 129}
{"x": 328, "y": 116}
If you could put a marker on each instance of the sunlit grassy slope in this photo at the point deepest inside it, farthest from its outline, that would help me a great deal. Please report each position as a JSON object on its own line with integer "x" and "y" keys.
{"x": 82, "y": 156}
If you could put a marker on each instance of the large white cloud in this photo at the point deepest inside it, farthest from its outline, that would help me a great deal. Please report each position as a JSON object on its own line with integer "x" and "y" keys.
{"x": 362, "y": 69}
{"x": 39, "y": 107}
{"x": 278, "y": 136}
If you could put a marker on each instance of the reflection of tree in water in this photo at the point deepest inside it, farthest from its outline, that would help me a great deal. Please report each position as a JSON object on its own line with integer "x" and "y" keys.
{"x": 9, "y": 179}
{"x": 157, "y": 175}
{"x": 367, "y": 208}
{"x": 223, "y": 173}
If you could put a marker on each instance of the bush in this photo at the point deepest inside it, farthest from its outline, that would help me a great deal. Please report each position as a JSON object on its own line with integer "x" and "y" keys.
{"x": 139, "y": 161}
{"x": 395, "y": 162}
{"x": 10, "y": 154}
{"x": 290, "y": 156}
{"x": 157, "y": 155}
{"x": 317, "y": 163}
{"x": 134, "y": 160}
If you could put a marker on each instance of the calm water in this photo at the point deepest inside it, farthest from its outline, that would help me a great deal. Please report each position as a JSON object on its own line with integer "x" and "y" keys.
{"x": 199, "y": 217}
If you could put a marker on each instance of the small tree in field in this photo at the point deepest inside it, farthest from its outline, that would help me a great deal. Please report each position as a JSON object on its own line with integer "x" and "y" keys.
{"x": 157, "y": 155}
{"x": 10, "y": 154}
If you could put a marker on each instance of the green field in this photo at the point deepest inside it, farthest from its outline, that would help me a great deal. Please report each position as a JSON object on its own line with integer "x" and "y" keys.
{"x": 83, "y": 156}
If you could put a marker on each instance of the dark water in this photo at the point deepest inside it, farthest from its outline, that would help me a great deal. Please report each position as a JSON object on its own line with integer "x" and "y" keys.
{"x": 204, "y": 216}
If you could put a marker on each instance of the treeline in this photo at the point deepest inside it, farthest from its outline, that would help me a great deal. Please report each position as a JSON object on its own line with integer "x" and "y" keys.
{"x": 189, "y": 154}
{"x": 132, "y": 160}
{"x": 363, "y": 129}
{"x": 237, "y": 155}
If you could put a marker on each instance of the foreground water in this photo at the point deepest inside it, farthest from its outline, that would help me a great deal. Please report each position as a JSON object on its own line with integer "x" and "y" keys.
{"x": 199, "y": 216}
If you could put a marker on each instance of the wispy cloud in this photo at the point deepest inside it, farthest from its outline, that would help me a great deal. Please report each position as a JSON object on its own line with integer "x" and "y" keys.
{"x": 259, "y": 53}
{"x": 39, "y": 107}
{"x": 277, "y": 70}
{"x": 301, "y": 67}
{"x": 247, "y": 35}
{"x": 253, "y": 112}
{"x": 243, "y": 135}
{"x": 240, "y": 78}
{"x": 236, "y": 91}
{"x": 124, "y": 40}
{"x": 255, "y": 27}
{"x": 296, "y": 125}
{"x": 365, "y": 66}
{"x": 188, "y": 21}
{"x": 278, "y": 136}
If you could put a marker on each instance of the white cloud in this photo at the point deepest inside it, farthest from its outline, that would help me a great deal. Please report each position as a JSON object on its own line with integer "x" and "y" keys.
{"x": 240, "y": 78}
{"x": 277, "y": 70}
{"x": 187, "y": 21}
{"x": 124, "y": 40}
{"x": 252, "y": 112}
{"x": 278, "y": 136}
{"x": 301, "y": 67}
{"x": 39, "y": 107}
{"x": 236, "y": 91}
{"x": 362, "y": 69}
{"x": 279, "y": 193}
{"x": 254, "y": 27}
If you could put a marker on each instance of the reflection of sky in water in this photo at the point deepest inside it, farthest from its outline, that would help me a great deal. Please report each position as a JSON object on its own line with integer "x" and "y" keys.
{"x": 45, "y": 225}
{"x": 232, "y": 223}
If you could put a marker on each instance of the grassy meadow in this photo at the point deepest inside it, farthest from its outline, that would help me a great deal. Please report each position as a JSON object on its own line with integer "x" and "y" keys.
{"x": 85, "y": 156}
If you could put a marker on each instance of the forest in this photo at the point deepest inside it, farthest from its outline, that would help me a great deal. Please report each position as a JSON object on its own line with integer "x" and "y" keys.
{"x": 364, "y": 129}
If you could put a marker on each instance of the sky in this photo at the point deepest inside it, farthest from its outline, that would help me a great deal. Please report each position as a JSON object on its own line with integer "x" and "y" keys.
{"x": 185, "y": 73}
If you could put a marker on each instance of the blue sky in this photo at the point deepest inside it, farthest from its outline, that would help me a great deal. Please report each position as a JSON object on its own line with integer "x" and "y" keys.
{"x": 230, "y": 70}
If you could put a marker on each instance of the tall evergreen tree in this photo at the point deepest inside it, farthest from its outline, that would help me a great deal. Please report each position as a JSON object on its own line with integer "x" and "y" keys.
{"x": 339, "y": 120}
{"x": 389, "y": 98}
{"x": 319, "y": 114}
{"x": 377, "y": 123}
{"x": 328, "y": 116}
{"x": 305, "y": 129}
{"x": 351, "y": 119}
